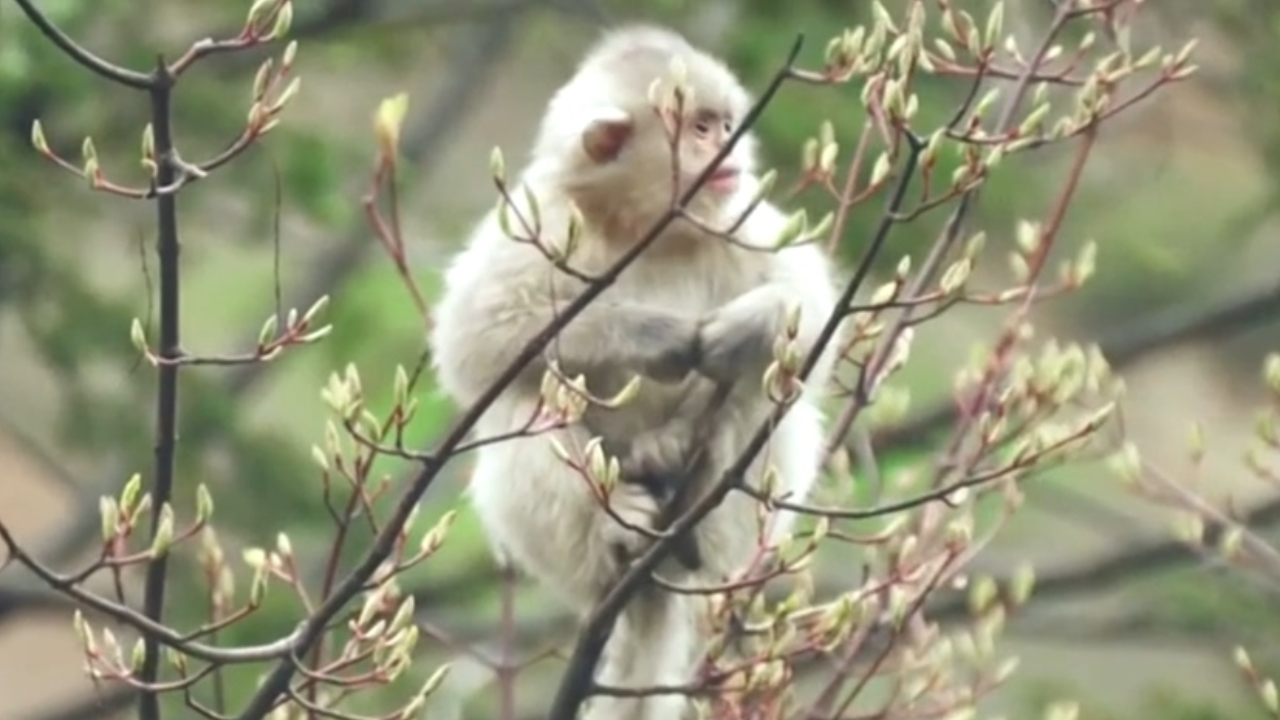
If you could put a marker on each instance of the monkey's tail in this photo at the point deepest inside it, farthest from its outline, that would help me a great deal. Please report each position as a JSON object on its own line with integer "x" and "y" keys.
{"x": 653, "y": 646}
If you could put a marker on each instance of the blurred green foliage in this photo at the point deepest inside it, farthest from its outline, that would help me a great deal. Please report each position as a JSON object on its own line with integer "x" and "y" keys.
{"x": 1254, "y": 27}
{"x": 265, "y": 481}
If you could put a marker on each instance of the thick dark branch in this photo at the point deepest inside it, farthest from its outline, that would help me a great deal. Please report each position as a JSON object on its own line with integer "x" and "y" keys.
{"x": 1124, "y": 346}
{"x": 1082, "y": 579}
{"x": 346, "y": 14}
{"x": 337, "y": 17}
{"x": 20, "y": 601}
{"x": 122, "y": 76}
{"x": 1146, "y": 559}
{"x": 473, "y": 61}
{"x": 152, "y": 630}
{"x": 166, "y": 438}
{"x": 107, "y": 703}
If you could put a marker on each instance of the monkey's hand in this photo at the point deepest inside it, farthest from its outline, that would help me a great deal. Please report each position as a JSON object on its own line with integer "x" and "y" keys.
{"x": 738, "y": 337}
{"x": 666, "y": 346}
{"x": 663, "y": 461}
{"x": 657, "y": 458}
{"x": 636, "y": 507}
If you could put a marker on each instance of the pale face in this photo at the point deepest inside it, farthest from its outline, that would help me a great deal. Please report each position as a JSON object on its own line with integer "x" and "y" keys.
{"x": 626, "y": 168}
{"x": 703, "y": 134}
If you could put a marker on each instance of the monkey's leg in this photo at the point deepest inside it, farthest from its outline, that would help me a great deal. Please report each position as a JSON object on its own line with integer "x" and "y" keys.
{"x": 796, "y": 453}
{"x": 670, "y": 488}
{"x": 678, "y": 482}
{"x": 677, "y": 495}
{"x": 653, "y": 644}
{"x": 547, "y": 519}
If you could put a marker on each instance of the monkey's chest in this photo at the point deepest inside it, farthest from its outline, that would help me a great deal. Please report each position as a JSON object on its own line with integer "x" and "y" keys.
{"x": 693, "y": 287}
{"x": 685, "y": 291}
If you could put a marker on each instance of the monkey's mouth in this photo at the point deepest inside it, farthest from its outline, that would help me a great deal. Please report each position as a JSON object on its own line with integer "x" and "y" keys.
{"x": 724, "y": 179}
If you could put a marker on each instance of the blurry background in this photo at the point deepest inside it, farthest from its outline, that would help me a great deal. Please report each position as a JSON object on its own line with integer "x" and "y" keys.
{"x": 1180, "y": 197}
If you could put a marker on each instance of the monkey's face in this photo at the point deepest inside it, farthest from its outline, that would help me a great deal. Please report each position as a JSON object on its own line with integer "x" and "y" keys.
{"x": 645, "y": 158}
{"x": 702, "y": 136}
{"x": 644, "y": 164}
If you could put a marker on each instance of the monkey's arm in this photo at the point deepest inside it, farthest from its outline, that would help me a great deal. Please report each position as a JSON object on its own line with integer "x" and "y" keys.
{"x": 488, "y": 315}
{"x": 737, "y": 338}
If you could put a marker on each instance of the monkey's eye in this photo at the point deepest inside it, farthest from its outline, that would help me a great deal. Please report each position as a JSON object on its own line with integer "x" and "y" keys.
{"x": 702, "y": 127}
{"x": 728, "y": 127}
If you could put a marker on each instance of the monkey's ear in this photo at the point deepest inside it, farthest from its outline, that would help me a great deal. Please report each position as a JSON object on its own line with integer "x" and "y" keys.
{"x": 606, "y": 134}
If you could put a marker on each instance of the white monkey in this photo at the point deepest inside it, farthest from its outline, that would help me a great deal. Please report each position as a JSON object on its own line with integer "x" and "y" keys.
{"x": 692, "y": 310}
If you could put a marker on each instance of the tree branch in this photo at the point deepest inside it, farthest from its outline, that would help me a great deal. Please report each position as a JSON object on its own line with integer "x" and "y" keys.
{"x": 342, "y": 15}
{"x": 1188, "y": 323}
{"x": 116, "y": 74}
{"x": 473, "y": 62}
{"x": 85, "y": 524}
{"x": 166, "y": 437}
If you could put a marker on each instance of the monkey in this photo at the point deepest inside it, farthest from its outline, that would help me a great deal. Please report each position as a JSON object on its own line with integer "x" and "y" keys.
{"x": 695, "y": 316}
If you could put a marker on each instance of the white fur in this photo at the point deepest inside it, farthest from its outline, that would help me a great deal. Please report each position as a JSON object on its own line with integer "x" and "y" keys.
{"x": 541, "y": 514}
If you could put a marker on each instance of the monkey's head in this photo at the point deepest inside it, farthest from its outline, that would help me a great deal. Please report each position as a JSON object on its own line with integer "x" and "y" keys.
{"x": 622, "y": 149}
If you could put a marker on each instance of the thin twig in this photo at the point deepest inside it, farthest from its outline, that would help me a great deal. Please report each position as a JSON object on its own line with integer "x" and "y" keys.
{"x": 1123, "y": 347}
{"x": 147, "y": 627}
{"x": 952, "y": 231}
{"x": 474, "y": 59}
{"x": 73, "y": 50}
